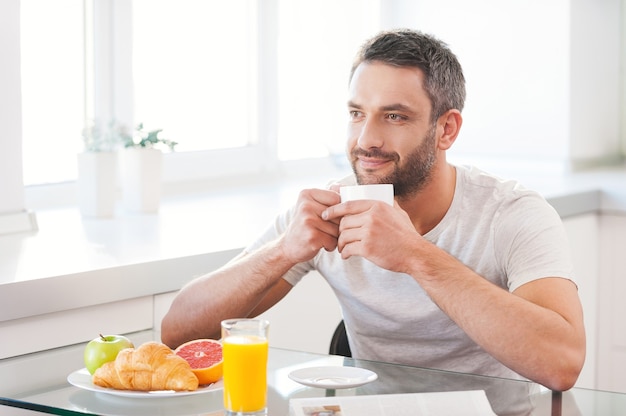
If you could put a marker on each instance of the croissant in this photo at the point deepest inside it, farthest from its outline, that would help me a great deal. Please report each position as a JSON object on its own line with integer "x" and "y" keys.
{"x": 151, "y": 366}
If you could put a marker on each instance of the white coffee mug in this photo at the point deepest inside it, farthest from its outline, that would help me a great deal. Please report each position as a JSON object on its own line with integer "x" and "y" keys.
{"x": 380, "y": 192}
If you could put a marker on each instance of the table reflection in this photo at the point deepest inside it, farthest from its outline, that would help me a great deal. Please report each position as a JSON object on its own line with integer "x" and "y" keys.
{"x": 506, "y": 397}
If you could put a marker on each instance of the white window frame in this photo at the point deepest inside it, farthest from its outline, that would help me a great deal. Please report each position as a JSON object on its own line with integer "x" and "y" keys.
{"x": 112, "y": 20}
{"x": 108, "y": 27}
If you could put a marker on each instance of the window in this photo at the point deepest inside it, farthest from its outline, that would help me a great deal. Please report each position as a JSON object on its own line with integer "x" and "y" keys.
{"x": 316, "y": 45}
{"x": 245, "y": 85}
{"x": 226, "y": 80}
{"x": 194, "y": 71}
{"x": 53, "y": 90}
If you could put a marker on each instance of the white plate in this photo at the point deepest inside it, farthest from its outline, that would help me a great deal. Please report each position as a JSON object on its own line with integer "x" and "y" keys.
{"x": 333, "y": 377}
{"x": 82, "y": 379}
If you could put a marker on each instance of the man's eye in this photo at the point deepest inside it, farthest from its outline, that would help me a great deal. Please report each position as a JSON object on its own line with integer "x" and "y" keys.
{"x": 355, "y": 114}
{"x": 396, "y": 117}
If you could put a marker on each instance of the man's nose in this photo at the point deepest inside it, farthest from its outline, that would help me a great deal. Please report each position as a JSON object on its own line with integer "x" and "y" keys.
{"x": 370, "y": 135}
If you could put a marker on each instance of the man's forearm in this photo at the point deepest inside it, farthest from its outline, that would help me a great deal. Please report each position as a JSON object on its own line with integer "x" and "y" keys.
{"x": 234, "y": 290}
{"x": 537, "y": 331}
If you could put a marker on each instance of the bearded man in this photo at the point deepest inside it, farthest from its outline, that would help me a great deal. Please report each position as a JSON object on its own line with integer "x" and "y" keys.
{"x": 465, "y": 272}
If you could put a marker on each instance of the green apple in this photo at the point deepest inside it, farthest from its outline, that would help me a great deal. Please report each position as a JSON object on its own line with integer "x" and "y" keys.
{"x": 104, "y": 349}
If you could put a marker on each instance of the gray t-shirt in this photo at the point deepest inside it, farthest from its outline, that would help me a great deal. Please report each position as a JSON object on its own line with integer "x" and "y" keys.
{"x": 504, "y": 232}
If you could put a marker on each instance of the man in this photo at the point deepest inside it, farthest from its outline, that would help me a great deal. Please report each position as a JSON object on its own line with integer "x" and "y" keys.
{"x": 466, "y": 272}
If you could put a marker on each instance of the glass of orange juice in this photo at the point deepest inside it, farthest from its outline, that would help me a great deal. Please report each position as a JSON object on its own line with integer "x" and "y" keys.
{"x": 244, "y": 350}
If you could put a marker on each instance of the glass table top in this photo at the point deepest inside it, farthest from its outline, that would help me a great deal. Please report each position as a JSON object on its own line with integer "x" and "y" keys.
{"x": 506, "y": 397}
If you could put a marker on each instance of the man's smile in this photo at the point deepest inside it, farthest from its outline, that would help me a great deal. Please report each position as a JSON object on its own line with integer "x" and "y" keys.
{"x": 372, "y": 163}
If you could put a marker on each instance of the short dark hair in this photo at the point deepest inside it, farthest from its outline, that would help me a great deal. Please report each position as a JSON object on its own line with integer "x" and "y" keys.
{"x": 444, "y": 80}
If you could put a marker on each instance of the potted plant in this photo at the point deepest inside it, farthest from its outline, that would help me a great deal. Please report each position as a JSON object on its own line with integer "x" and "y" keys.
{"x": 141, "y": 166}
{"x": 97, "y": 170}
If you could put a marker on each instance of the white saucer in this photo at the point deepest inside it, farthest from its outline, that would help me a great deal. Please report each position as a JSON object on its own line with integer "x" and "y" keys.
{"x": 82, "y": 379}
{"x": 333, "y": 377}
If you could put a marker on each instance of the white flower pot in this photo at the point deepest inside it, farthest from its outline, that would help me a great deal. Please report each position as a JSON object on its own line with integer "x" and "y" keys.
{"x": 140, "y": 179}
{"x": 97, "y": 173}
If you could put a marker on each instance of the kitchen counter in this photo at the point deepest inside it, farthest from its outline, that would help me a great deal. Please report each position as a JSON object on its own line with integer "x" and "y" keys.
{"x": 73, "y": 262}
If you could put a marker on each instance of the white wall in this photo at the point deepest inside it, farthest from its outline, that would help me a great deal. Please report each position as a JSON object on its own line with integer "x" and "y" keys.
{"x": 584, "y": 235}
{"x": 542, "y": 76}
{"x": 11, "y": 187}
{"x": 595, "y": 100}
{"x": 611, "y": 351}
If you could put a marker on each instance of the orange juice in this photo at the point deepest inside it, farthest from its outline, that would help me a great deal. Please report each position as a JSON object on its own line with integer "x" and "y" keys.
{"x": 245, "y": 372}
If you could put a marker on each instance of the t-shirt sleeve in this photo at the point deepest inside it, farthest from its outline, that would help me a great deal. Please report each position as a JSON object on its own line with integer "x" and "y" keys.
{"x": 532, "y": 241}
{"x": 272, "y": 232}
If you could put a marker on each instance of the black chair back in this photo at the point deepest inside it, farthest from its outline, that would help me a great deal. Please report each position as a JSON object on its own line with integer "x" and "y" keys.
{"x": 339, "y": 344}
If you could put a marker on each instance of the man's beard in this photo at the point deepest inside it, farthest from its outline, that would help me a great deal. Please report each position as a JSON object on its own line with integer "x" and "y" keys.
{"x": 410, "y": 177}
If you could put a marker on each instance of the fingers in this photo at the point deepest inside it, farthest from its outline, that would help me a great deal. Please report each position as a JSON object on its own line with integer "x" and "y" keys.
{"x": 336, "y": 212}
{"x": 363, "y": 226}
{"x": 324, "y": 197}
{"x": 309, "y": 233}
{"x": 328, "y": 230}
{"x": 322, "y": 221}
{"x": 335, "y": 187}
{"x": 311, "y": 240}
{"x": 313, "y": 202}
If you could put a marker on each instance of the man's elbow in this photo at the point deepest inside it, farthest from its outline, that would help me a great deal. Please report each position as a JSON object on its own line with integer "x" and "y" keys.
{"x": 169, "y": 334}
{"x": 562, "y": 381}
{"x": 564, "y": 377}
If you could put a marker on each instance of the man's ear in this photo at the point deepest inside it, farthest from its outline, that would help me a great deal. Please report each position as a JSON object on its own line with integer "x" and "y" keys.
{"x": 450, "y": 122}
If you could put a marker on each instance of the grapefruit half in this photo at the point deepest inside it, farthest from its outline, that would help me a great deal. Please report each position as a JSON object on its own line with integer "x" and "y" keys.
{"x": 205, "y": 358}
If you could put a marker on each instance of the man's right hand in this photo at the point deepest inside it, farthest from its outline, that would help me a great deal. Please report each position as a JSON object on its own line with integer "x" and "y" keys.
{"x": 251, "y": 283}
{"x": 308, "y": 232}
